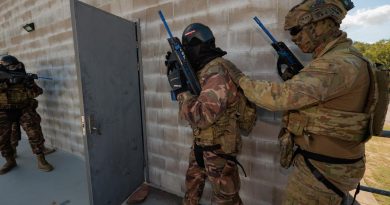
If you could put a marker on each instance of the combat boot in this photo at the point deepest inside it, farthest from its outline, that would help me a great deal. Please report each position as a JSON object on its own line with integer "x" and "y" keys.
{"x": 10, "y": 164}
{"x": 43, "y": 164}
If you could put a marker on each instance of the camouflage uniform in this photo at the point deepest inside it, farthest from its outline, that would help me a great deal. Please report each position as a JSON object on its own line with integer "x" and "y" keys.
{"x": 17, "y": 105}
{"x": 20, "y": 111}
{"x": 329, "y": 106}
{"x": 212, "y": 118}
{"x": 16, "y": 134}
{"x": 335, "y": 80}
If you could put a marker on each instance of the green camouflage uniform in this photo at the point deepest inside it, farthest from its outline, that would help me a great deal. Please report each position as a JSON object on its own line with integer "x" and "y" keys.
{"x": 212, "y": 118}
{"x": 325, "y": 101}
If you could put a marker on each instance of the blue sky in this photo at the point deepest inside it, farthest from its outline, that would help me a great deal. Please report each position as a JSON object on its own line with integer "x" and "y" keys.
{"x": 369, "y": 21}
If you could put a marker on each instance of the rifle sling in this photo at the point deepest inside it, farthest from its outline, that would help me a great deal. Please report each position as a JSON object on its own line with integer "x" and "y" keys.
{"x": 198, "y": 150}
{"x": 319, "y": 176}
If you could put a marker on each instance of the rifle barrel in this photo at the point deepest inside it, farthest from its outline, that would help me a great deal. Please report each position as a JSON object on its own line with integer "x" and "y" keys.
{"x": 165, "y": 23}
{"x": 46, "y": 78}
{"x": 265, "y": 29}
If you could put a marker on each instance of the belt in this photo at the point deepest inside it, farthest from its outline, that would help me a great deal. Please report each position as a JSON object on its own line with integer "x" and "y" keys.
{"x": 199, "y": 155}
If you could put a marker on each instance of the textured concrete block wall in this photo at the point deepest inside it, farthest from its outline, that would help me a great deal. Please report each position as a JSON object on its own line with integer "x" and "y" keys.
{"x": 49, "y": 52}
{"x": 168, "y": 138}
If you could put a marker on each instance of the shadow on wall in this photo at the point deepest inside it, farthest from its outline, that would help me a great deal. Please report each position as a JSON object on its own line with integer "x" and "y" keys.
{"x": 59, "y": 107}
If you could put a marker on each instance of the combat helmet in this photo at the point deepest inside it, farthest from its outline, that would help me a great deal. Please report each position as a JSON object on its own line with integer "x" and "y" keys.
{"x": 9, "y": 60}
{"x": 310, "y": 11}
{"x": 197, "y": 33}
{"x": 12, "y": 63}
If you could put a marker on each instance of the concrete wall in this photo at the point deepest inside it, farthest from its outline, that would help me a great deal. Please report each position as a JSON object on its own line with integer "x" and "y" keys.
{"x": 49, "y": 51}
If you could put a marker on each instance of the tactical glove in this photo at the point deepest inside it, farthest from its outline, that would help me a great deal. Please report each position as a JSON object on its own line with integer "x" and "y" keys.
{"x": 236, "y": 74}
{"x": 175, "y": 74}
{"x": 170, "y": 61}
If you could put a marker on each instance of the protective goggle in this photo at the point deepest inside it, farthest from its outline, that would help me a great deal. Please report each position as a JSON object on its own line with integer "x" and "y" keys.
{"x": 295, "y": 30}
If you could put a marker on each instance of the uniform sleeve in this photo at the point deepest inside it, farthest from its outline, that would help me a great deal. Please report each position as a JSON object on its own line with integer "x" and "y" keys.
{"x": 37, "y": 89}
{"x": 304, "y": 89}
{"x": 34, "y": 91}
{"x": 204, "y": 110}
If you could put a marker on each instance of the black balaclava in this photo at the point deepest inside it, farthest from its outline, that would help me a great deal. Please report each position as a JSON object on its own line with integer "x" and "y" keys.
{"x": 201, "y": 54}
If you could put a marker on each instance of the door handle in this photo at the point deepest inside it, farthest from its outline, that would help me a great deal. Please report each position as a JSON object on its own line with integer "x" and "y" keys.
{"x": 93, "y": 126}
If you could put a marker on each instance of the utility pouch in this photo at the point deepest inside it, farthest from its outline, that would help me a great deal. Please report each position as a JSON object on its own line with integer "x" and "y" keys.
{"x": 286, "y": 145}
{"x": 246, "y": 115}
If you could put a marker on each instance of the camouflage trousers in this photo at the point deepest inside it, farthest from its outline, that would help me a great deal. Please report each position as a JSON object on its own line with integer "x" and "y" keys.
{"x": 222, "y": 174}
{"x": 29, "y": 119}
{"x": 304, "y": 189}
{"x": 16, "y": 134}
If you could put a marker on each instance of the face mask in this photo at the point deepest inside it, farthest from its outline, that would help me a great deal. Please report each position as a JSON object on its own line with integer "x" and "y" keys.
{"x": 192, "y": 53}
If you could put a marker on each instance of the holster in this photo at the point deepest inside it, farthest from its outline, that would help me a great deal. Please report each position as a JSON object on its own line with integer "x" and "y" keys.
{"x": 198, "y": 151}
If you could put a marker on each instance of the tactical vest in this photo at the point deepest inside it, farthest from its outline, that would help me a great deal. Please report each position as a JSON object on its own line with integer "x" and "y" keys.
{"x": 13, "y": 96}
{"x": 318, "y": 120}
{"x": 347, "y": 126}
{"x": 240, "y": 115}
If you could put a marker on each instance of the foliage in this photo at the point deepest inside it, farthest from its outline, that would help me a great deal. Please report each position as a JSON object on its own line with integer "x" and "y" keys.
{"x": 378, "y": 52}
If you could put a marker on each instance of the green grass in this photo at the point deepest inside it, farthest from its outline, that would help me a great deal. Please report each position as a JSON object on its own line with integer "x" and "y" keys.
{"x": 378, "y": 166}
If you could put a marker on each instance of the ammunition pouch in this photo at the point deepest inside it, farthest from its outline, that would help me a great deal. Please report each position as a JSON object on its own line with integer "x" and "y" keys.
{"x": 286, "y": 145}
{"x": 224, "y": 132}
{"x": 246, "y": 114}
{"x": 17, "y": 96}
{"x": 13, "y": 96}
{"x": 347, "y": 126}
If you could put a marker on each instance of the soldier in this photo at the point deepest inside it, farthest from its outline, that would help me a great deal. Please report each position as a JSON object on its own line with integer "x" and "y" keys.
{"x": 328, "y": 103}
{"x": 16, "y": 134}
{"x": 212, "y": 116}
{"x": 15, "y": 106}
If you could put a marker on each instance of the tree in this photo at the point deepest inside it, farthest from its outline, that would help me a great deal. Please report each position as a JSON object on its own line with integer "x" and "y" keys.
{"x": 378, "y": 52}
